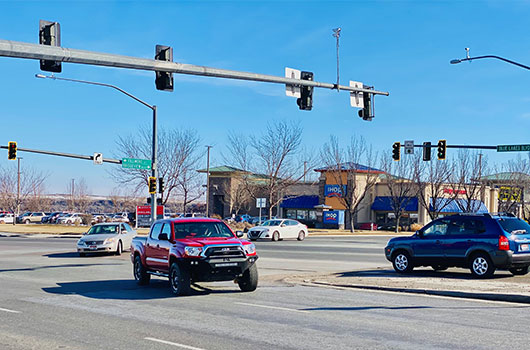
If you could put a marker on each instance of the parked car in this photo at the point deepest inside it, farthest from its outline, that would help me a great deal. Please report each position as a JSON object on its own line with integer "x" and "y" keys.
{"x": 70, "y": 219}
{"x": 27, "y": 218}
{"x": 7, "y": 218}
{"x": 21, "y": 217}
{"x": 107, "y": 237}
{"x": 279, "y": 229}
{"x": 194, "y": 250}
{"x": 243, "y": 218}
{"x": 256, "y": 219}
{"x": 55, "y": 219}
{"x": 48, "y": 218}
{"x": 482, "y": 243}
{"x": 120, "y": 217}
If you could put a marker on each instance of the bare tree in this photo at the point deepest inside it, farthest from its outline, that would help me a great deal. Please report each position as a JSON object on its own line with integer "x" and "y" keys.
{"x": 190, "y": 187}
{"x": 469, "y": 167}
{"x": 177, "y": 156}
{"x": 399, "y": 181}
{"x": 79, "y": 195}
{"x": 31, "y": 186}
{"x": 343, "y": 166}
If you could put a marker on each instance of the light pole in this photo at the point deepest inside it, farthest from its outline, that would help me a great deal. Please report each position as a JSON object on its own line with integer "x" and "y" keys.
{"x": 208, "y": 182}
{"x": 458, "y": 60}
{"x": 18, "y": 191}
{"x": 152, "y": 107}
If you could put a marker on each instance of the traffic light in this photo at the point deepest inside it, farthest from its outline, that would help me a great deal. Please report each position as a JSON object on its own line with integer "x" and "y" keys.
{"x": 366, "y": 112}
{"x": 396, "y": 151}
{"x": 12, "y": 150}
{"x": 426, "y": 151}
{"x": 164, "y": 80}
{"x": 305, "y": 102}
{"x": 152, "y": 184}
{"x": 160, "y": 185}
{"x": 50, "y": 34}
{"x": 442, "y": 148}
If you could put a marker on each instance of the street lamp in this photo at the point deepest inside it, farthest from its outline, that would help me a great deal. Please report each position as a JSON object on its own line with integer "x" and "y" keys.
{"x": 208, "y": 182}
{"x": 456, "y": 61}
{"x": 152, "y": 107}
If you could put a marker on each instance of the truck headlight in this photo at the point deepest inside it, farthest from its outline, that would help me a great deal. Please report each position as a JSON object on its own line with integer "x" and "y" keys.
{"x": 109, "y": 240}
{"x": 193, "y": 251}
{"x": 250, "y": 249}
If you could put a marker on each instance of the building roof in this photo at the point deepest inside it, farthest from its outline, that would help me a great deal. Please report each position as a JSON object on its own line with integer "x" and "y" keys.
{"x": 454, "y": 205}
{"x": 223, "y": 169}
{"x": 504, "y": 177}
{"x": 349, "y": 166}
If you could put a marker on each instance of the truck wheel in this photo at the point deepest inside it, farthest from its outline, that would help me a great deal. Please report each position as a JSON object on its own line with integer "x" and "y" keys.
{"x": 301, "y": 235}
{"x": 249, "y": 281}
{"x": 481, "y": 266}
{"x": 140, "y": 274}
{"x": 119, "y": 249}
{"x": 179, "y": 279}
{"x": 275, "y": 236}
{"x": 519, "y": 271}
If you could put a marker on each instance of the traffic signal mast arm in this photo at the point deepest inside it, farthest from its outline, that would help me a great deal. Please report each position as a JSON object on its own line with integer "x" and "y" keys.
{"x": 60, "y": 54}
{"x": 60, "y": 154}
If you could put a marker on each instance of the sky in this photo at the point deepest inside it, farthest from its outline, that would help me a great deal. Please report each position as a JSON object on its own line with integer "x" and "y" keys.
{"x": 403, "y": 47}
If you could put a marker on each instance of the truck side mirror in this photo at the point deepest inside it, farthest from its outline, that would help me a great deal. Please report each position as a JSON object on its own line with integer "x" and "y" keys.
{"x": 239, "y": 234}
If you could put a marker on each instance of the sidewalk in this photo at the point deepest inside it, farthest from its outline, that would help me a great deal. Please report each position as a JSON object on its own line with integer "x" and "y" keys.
{"x": 453, "y": 283}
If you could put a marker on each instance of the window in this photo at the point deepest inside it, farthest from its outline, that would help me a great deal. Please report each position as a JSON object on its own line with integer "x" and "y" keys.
{"x": 301, "y": 214}
{"x": 155, "y": 230}
{"x": 312, "y": 215}
{"x": 466, "y": 226}
{"x": 167, "y": 230}
{"x": 201, "y": 229}
{"x": 122, "y": 226}
{"x": 291, "y": 213}
{"x": 128, "y": 228}
{"x": 436, "y": 228}
{"x": 514, "y": 225}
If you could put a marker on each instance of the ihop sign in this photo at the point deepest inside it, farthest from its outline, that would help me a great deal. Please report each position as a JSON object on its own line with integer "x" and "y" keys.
{"x": 331, "y": 217}
{"x": 334, "y": 190}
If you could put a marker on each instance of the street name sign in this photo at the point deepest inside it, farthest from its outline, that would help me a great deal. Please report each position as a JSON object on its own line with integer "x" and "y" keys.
{"x": 513, "y": 148}
{"x": 132, "y": 163}
{"x": 261, "y": 202}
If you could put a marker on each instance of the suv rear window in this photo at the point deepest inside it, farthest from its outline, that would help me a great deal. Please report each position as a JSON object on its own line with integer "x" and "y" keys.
{"x": 515, "y": 226}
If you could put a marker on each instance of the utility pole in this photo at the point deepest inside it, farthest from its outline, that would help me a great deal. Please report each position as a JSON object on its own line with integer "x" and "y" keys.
{"x": 73, "y": 194}
{"x": 336, "y": 34}
{"x": 208, "y": 181}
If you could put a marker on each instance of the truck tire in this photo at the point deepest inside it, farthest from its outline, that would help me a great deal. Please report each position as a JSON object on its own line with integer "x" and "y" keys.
{"x": 140, "y": 274}
{"x": 179, "y": 280}
{"x": 249, "y": 281}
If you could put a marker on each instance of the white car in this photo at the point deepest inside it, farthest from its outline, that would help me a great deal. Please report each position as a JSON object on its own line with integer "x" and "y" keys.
{"x": 112, "y": 237}
{"x": 6, "y": 218}
{"x": 69, "y": 219}
{"x": 278, "y": 229}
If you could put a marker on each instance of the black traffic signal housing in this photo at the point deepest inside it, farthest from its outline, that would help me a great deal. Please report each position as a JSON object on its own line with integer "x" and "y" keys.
{"x": 152, "y": 184}
{"x": 305, "y": 102}
{"x": 50, "y": 34}
{"x": 396, "y": 151}
{"x": 12, "y": 150}
{"x": 164, "y": 80}
{"x": 426, "y": 151}
{"x": 160, "y": 185}
{"x": 366, "y": 112}
{"x": 442, "y": 149}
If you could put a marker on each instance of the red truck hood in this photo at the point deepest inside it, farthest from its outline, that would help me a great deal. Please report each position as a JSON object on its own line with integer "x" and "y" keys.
{"x": 210, "y": 241}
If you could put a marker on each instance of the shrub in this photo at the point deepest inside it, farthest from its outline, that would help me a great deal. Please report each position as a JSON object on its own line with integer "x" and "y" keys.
{"x": 415, "y": 227}
{"x": 216, "y": 216}
{"x": 86, "y": 219}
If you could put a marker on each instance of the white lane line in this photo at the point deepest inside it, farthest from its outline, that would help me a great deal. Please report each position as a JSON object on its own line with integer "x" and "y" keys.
{"x": 174, "y": 344}
{"x": 273, "y": 307}
{"x": 12, "y": 311}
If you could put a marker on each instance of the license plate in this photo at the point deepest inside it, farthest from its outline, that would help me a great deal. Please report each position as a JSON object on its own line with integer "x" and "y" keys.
{"x": 93, "y": 247}
{"x": 524, "y": 247}
{"x": 225, "y": 264}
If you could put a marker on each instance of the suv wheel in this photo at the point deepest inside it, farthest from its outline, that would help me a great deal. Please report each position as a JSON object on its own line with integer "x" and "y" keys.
{"x": 519, "y": 271}
{"x": 402, "y": 262}
{"x": 249, "y": 281}
{"x": 179, "y": 279}
{"x": 481, "y": 266}
{"x": 140, "y": 274}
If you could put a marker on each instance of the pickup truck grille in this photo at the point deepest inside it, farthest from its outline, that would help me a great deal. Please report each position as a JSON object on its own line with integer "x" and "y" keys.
{"x": 93, "y": 242}
{"x": 224, "y": 252}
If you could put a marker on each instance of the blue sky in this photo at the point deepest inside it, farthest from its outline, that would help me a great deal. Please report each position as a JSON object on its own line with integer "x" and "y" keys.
{"x": 403, "y": 47}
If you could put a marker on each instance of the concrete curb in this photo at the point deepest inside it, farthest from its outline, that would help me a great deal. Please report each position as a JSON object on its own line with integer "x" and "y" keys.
{"x": 511, "y": 298}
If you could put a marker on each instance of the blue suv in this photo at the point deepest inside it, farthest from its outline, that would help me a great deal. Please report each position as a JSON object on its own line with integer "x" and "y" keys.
{"x": 482, "y": 243}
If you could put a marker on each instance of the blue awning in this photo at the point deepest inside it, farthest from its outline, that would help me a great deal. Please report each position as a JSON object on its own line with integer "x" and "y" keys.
{"x": 384, "y": 203}
{"x": 300, "y": 202}
{"x": 455, "y": 205}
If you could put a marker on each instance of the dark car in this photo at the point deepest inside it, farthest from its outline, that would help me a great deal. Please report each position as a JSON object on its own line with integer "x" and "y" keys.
{"x": 48, "y": 218}
{"x": 482, "y": 243}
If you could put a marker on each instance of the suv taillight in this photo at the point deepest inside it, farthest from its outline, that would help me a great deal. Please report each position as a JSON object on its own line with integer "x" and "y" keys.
{"x": 504, "y": 244}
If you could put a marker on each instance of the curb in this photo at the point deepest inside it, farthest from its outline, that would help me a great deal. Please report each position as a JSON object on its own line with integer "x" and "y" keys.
{"x": 510, "y": 298}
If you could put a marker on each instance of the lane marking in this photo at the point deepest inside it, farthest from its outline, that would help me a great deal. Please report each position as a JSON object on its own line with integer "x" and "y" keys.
{"x": 174, "y": 344}
{"x": 273, "y": 307}
{"x": 12, "y": 311}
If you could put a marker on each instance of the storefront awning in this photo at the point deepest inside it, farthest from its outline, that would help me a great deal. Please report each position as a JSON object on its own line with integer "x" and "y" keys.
{"x": 455, "y": 205}
{"x": 300, "y": 202}
{"x": 384, "y": 203}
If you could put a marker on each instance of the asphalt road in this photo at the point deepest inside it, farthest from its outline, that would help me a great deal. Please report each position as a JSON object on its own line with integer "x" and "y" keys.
{"x": 52, "y": 299}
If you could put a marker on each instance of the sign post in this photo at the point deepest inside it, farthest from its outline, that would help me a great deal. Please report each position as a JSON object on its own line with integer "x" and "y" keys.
{"x": 260, "y": 203}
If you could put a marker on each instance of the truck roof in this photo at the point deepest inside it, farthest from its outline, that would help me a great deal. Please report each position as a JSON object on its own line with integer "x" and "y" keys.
{"x": 186, "y": 220}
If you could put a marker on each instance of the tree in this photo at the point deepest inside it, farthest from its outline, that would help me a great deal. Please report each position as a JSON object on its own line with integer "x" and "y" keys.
{"x": 177, "y": 157}
{"x": 399, "y": 181}
{"x": 190, "y": 186}
{"x": 468, "y": 169}
{"x": 78, "y": 193}
{"x": 343, "y": 166}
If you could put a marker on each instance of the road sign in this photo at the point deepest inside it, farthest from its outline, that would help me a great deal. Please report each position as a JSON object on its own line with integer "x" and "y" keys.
{"x": 98, "y": 158}
{"x": 143, "y": 215}
{"x": 356, "y": 98}
{"x": 261, "y": 202}
{"x": 409, "y": 147}
{"x": 291, "y": 90}
{"x": 132, "y": 163}
{"x": 513, "y": 148}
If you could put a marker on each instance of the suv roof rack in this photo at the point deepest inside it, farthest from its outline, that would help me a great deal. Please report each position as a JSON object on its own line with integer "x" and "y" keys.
{"x": 511, "y": 215}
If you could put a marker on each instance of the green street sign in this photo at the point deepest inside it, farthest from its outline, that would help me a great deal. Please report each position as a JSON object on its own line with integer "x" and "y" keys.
{"x": 132, "y": 163}
{"x": 513, "y": 148}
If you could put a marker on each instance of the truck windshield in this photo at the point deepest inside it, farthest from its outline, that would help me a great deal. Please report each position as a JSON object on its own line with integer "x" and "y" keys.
{"x": 515, "y": 226}
{"x": 202, "y": 230}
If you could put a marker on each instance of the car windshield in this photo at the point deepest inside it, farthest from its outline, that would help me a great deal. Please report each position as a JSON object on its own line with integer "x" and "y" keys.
{"x": 272, "y": 223}
{"x": 103, "y": 229}
{"x": 515, "y": 226}
{"x": 202, "y": 230}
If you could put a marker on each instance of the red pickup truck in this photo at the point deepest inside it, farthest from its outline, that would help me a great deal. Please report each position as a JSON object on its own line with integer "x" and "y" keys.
{"x": 194, "y": 250}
